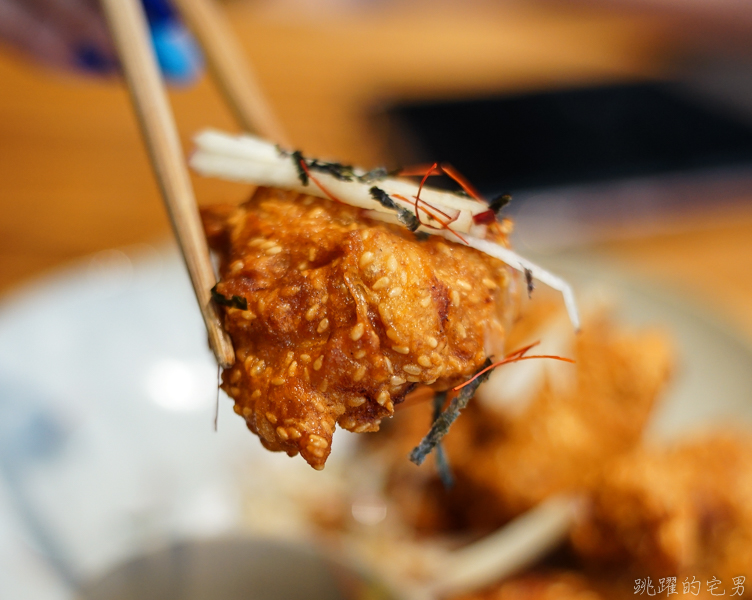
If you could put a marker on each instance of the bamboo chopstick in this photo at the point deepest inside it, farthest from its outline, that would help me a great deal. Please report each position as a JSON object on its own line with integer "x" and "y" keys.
{"x": 130, "y": 33}
{"x": 231, "y": 70}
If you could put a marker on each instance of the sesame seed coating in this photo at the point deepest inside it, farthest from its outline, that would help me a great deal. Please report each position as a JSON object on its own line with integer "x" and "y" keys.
{"x": 369, "y": 308}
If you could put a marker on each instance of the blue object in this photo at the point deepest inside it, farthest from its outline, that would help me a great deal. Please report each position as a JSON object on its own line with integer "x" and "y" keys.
{"x": 90, "y": 58}
{"x": 177, "y": 52}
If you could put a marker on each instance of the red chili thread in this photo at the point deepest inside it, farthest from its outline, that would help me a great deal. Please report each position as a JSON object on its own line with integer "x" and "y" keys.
{"x": 515, "y": 356}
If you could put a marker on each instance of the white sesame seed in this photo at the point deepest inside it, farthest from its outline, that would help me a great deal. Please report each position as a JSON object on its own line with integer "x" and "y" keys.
{"x": 455, "y": 297}
{"x": 464, "y": 285}
{"x": 294, "y": 433}
{"x": 311, "y": 312}
{"x": 323, "y": 386}
{"x": 256, "y": 242}
{"x": 359, "y": 373}
{"x": 288, "y": 358}
{"x": 395, "y": 381}
{"x": 460, "y": 328}
{"x": 267, "y": 244}
{"x": 258, "y": 368}
{"x": 305, "y": 358}
{"x": 389, "y": 366}
{"x": 303, "y": 266}
{"x": 235, "y": 376}
{"x": 489, "y": 283}
{"x": 380, "y": 283}
{"x": 323, "y": 325}
{"x": 356, "y": 400}
{"x": 246, "y": 411}
{"x": 317, "y": 452}
{"x": 392, "y": 335}
{"x": 274, "y": 250}
{"x": 391, "y": 263}
{"x": 256, "y": 394}
{"x": 432, "y": 342}
{"x": 359, "y": 354}
{"x": 383, "y": 397}
{"x": 412, "y": 369}
{"x": 424, "y": 361}
{"x": 385, "y": 312}
{"x": 413, "y": 379}
{"x": 293, "y": 368}
{"x": 312, "y": 254}
{"x": 236, "y": 267}
{"x": 282, "y": 433}
{"x": 357, "y": 332}
{"x": 317, "y": 441}
{"x": 425, "y": 302}
{"x": 318, "y": 363}
{"x": 365, "y": 259}
{"x": 401, "y": 349}
{"x": 278, "y": 381}
{"x": 394, "y": 292}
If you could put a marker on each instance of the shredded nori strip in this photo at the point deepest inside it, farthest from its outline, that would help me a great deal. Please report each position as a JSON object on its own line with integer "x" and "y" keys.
{"x": 297, "y": 158}
{"x": 406, "y": 217}
{"x": 530, "y": 282}
{"x": 442, "y": 464}
{"x": 444, "y": 421}
{"x": 336, "y": 170}
{"x": 234, "y": 302}
{"x": 499, "y": 202}
{"x": 376, "y": 174}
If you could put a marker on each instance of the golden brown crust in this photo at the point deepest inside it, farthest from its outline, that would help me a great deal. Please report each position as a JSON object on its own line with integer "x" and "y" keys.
{"x": 345, "y": 316}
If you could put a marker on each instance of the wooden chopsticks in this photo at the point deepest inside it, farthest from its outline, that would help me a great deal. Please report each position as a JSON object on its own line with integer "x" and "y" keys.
{"x": 131, "y": 36}
{"x": 231, "y": 70}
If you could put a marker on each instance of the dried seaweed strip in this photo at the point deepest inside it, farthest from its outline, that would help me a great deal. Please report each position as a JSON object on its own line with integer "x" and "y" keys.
{"x": 442, "y": 463}
{"x": 530, "y": 282}
{"x": 298, "y": 160}
{"x": 499, "y": 202}
{"x": 336, "y": 170}
{"x": 233, "y": 302}
{"x": 406, "y": 217}
{"x": 444, "y": 421}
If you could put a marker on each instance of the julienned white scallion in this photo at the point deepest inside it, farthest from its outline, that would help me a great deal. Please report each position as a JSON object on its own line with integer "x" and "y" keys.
{"x": 252, "y": 160}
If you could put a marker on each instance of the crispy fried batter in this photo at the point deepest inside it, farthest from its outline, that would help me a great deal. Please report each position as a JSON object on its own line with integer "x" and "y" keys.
{"x": 345, "y": 316}
{"x": 681, "y": 509}
{"x": 507, "y": 463}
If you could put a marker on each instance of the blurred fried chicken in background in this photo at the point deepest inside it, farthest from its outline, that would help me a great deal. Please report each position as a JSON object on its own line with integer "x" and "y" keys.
{"x": 507, "y": 462}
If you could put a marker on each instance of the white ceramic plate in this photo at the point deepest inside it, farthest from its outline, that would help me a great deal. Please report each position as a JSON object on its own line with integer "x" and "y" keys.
{"x": 107, "y": 393}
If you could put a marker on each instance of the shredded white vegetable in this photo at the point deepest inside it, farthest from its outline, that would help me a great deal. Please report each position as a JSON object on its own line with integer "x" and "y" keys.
{"x": 252, "y": 160}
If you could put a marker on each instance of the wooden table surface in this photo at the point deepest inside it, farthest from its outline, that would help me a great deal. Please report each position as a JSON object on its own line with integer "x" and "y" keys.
{"x": 74, "y": 177}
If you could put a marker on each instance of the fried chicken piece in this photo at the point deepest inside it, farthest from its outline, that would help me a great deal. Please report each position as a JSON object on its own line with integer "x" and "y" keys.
{"x": 345, "y": 316}
{"x": 684, "y": 509}
{"x": 506, "y": 463}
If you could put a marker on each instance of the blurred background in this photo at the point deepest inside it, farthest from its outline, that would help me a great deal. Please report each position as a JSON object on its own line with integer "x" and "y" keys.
{"x": 368, "y": 82}
{"x": 75, "y": 179}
